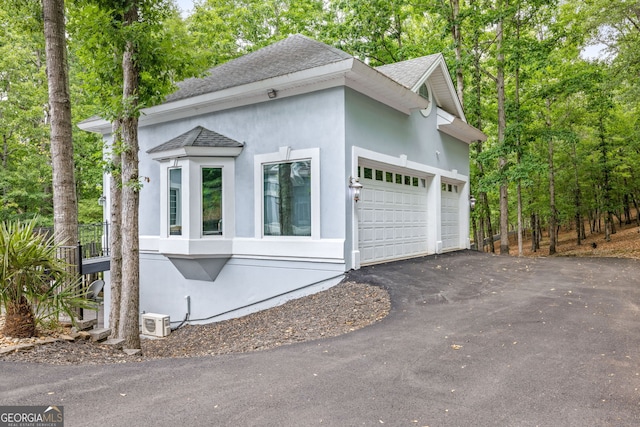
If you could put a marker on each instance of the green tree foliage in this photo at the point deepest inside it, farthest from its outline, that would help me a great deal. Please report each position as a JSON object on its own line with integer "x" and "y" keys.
{"x": 553, "y": 97}
{"x": 230, "y": 28}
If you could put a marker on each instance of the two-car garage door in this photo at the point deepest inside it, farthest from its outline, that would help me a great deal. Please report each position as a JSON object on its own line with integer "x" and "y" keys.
{"x": 392, "y": 214}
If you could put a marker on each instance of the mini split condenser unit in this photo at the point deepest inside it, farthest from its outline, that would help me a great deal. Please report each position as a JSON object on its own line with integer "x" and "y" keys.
{"x": 155, "y": 325}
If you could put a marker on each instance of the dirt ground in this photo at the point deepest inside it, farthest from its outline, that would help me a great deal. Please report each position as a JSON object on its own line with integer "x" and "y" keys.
{"x": 625, "y": 243}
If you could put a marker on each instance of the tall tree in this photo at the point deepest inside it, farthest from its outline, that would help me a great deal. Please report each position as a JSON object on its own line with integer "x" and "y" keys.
{"x": 130, "y": 295}
{"x": 65, "y": 204}
{"x": 133, "y": 64}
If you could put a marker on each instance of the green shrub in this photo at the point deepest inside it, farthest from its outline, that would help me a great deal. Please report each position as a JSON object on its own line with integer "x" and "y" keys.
{"x": 35, "y": 285}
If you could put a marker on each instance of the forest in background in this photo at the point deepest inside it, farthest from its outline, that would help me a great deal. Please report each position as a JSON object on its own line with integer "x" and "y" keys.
{"x": 563, "y": 129}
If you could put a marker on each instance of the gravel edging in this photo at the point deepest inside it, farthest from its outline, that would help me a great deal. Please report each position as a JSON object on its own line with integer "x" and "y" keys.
{"x": 341, "y": 309}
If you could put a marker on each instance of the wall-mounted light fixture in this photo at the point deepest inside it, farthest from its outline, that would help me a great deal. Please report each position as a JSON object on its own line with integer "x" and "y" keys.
{"x": 102, "y": 200}
{"x": 272, "y": 93}
{"x": 354, "y": 184}
{"x": 472, "y": 202}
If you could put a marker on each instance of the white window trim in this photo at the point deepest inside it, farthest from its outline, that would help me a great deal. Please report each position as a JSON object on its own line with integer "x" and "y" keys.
{"x": 192, "y": 242}
{"x": 427, "y": 111}
{"x": 286, "y": 154}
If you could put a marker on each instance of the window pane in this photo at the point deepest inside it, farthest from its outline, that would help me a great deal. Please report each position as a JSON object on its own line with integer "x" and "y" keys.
{"x": 175, "y": 202}
{"x": 211, "y": 201}
{"x": 287, "y": 199}
{"x": 389, "y": 177}
{"x": 378, "y": 175}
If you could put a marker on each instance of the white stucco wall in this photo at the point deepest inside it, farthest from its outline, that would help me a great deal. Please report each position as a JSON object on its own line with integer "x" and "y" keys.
{"x": 261, "y": 272}
{"x": 265, "y": 272}
{"x": 383, "y": 134}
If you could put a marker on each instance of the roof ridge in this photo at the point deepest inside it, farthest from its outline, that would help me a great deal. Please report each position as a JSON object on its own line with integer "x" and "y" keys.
{"x": 287, "y": 56}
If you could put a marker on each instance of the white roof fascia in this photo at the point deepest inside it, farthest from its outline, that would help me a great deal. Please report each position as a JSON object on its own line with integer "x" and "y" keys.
{"x": 382, "y": 88}
{"x": 191, "y": 151}
{"x": 229, "y": 98}
{"x": 442, "y": 64}
{"x": 349, "y": 72}
{"x": 457, "y": 128}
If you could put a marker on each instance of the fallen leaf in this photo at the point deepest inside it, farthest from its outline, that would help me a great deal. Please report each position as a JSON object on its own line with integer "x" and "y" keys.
{"x": 456, "y": 346}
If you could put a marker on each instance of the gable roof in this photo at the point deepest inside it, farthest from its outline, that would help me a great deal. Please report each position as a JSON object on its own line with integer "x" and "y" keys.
{"x": 413, "y": 73}
{"x": 197, "y": 142}
{"x": 409, "y": 73}
{"x": 293, "y": 54}
{"x": 298, "y": 65}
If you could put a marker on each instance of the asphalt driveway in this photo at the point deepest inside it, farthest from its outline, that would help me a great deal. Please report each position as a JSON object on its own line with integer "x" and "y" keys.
{"x": 472, "y": 340}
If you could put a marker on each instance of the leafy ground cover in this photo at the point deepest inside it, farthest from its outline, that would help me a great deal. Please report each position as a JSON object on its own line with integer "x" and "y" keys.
{"x": 625, "y": 243}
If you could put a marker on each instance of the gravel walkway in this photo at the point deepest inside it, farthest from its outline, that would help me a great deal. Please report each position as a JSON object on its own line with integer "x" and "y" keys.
{"x": 339, "y": 310}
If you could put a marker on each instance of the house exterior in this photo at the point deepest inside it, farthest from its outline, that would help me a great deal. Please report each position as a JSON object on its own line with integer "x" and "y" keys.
{"x": 253, "y": 174}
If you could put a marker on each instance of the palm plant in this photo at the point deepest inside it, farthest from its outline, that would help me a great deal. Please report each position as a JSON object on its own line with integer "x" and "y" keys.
{"x": 35, "y": 285}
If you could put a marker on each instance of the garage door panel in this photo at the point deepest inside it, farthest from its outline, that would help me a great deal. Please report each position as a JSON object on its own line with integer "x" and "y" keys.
{"x": 450, "y": 217}
{"x": 396, "y": 215}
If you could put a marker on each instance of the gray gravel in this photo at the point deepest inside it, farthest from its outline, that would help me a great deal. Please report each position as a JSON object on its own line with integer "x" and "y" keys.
{"x": 339, "y": 310}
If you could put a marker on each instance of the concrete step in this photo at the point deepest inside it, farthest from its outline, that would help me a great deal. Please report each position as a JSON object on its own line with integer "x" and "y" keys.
{"x": 99, "y": 334}
{"x": 84, "y": 325}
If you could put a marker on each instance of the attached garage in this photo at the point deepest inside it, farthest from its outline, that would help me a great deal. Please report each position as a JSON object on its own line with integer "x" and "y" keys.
{"x": 450, "y": 216}
{"x": 392, "y": 214}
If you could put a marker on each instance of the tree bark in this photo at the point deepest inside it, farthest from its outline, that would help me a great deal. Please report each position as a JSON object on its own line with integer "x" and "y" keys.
{"x": 129, "y": 317}
{"x": 502, "y": 120}
{"x": 577, "y": 196}
{"x": 552, "y": 187}
{"x": 65, "y": 204}
{"x": 456, "y": 32}
{"x": 115, "y": 235}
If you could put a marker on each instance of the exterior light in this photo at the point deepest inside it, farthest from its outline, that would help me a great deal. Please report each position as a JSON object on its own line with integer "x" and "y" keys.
{"x": 354, "y": 184}
{"x": 272, "y": 93}
{"x": 102, "y": 200}
{"x": 472, "y": 202}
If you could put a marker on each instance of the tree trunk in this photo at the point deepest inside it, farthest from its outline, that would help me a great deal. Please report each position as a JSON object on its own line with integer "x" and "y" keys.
{"x": 520, "y": 248}
{"x": 115, "y": 236}
{"x": 577, "y": 196}
{"x": 627, "y": 208}
{"x": 19, "y": 321}
{"x": 490, "y": 233}
{"x": 552, "y": 187}
{"x": 129, "y": 317}
{"x": 534, "y": 233}
{"x": 456, "y": 32}
{"x": 606, "y": 184}
{"x": 502, "y": 120}
{"x": 65, "y": 205}
{"x": 518, "y": 121}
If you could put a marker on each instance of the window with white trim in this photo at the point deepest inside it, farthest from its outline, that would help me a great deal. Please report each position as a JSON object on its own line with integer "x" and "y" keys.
{"x": 211, "y": 188}
{"x": 175, "y": 202}
{"x": 287, "y": 198}
{"x": 288, "y": 193}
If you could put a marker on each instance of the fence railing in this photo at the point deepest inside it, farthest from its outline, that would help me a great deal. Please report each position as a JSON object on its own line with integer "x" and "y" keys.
{"x": 93, "y": 241}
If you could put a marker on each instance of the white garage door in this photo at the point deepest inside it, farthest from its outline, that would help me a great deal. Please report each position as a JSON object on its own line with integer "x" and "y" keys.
{"x": 392, "y": 215}
{"x": 450, "y": 216}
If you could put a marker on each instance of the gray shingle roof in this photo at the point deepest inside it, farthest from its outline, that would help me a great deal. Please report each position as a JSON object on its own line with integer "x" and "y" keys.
{"x": 409, "y": 72}
{"x": 293, "y": 54}
{"x": 197, "y": 137}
